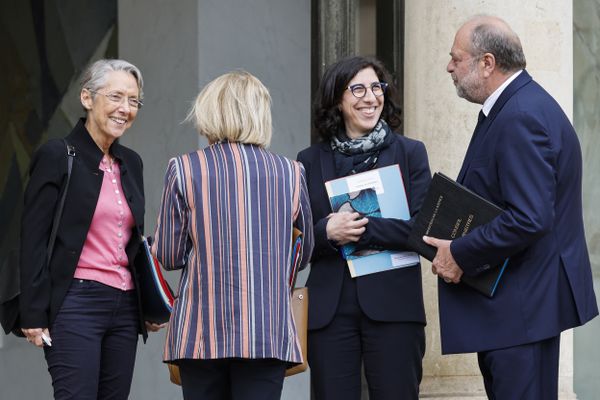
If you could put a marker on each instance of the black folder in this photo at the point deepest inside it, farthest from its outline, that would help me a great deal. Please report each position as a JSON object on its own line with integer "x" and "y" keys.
{"x": 450, "y": 211}
{"x": 157, "y": 296}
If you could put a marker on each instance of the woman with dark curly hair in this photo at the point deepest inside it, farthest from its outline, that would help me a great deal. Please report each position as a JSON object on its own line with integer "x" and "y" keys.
{"x": 377, "y": 320}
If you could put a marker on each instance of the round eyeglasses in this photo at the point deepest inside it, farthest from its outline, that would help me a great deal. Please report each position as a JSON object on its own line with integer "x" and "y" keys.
{"x": 359, "y": 90}
{"x": 118, "y": 98}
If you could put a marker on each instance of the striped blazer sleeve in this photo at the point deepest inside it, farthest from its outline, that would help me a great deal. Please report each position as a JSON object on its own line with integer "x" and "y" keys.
{"x": 171, "y": 241}
{"x": 304, "y": 219}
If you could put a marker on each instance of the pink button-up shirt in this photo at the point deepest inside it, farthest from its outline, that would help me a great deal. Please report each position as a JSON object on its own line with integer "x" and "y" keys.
{"x": 103, "y": 258}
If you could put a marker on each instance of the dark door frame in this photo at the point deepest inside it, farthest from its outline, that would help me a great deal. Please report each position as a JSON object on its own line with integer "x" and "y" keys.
{"x": 333, "y": 36}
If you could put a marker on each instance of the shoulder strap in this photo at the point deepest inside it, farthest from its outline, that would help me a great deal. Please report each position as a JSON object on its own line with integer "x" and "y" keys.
{"x": 61, "y": 204}
{"x": 297, "y": 242}
{"x": 297, "y": 247}
{"x": 296, "y": 195}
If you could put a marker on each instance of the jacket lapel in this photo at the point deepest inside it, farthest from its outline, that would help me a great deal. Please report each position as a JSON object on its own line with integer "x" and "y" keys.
{"x": 327, "y": 162}
{"x": 90, "y": 153}
{"x": 478, "y": 138}
{"x": 387, "y": 156}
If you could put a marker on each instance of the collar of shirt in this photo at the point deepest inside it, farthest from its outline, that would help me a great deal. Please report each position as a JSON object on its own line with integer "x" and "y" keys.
{"x": 491, "y": 100}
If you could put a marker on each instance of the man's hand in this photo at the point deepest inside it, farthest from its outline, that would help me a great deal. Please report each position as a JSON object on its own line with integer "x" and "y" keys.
{"x": 444, "y": 265}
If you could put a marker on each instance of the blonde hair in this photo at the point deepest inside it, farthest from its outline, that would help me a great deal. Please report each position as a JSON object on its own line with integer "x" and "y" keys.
{"x": 235, "y": 107}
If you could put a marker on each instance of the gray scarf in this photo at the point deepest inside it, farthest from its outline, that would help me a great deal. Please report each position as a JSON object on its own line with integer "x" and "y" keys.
{"x": 361, "y": 154}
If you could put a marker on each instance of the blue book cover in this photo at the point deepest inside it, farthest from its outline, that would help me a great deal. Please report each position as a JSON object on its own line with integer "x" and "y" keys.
{"x": 376, "y": 193}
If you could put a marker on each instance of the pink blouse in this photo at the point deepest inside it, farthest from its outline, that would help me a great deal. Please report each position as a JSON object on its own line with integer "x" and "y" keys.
{"x": 103, "y": 258}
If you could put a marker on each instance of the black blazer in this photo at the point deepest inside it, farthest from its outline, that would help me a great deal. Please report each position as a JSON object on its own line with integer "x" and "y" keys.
{"x": 395, "y": 295}
{"x": 43, "y": 289}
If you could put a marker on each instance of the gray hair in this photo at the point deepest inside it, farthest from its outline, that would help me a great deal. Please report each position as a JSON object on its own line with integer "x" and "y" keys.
{"x": 94, "y": 77}
{"x": 504, "y": 44}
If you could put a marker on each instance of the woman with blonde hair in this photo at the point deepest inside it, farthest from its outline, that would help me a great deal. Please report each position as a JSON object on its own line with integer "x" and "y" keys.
{"x": 226, "y": 219}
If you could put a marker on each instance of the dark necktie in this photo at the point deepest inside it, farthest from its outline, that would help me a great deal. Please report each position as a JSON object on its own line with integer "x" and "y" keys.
{"x": 480, "y": 119}
{"x": 469, "y": 155}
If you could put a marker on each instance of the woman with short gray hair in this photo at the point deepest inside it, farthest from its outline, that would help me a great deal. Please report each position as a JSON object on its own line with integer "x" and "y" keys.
{"x": 82, "y": 307}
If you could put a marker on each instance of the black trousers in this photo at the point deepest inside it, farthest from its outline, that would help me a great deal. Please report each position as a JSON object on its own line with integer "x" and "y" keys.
{"x": 529, "y": 371}
{"x": 391, "y": 352}
{"x": 232, "y": 379}
{"x": 94, "y": 341}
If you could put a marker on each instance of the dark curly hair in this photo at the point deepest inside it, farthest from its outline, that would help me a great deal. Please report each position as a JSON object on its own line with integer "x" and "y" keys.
{"x": 328, "y": 119}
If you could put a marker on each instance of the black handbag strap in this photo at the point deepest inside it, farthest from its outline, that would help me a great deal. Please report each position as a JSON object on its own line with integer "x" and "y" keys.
{"x": 61, "y": 204}
{"x": 295, "y": 266}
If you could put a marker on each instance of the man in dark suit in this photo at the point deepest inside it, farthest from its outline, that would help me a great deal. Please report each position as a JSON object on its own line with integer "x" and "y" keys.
{"x": 525, "y": 157}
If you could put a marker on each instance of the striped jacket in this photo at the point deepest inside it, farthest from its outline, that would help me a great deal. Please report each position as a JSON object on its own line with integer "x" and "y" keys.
{"x": 226, "y": 218}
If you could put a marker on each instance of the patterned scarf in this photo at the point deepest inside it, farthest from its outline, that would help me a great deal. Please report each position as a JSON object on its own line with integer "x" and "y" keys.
{"x": 358, "y": 155}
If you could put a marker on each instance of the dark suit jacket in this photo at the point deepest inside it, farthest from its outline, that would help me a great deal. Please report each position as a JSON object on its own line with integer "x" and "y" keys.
{"x": 386, "y": 296}
{"x": 43, "y": 290}
{"x": 525, "y": 158}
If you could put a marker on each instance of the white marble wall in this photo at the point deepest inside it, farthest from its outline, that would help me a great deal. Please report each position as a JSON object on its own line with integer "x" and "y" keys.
{"x": 444, "y": 122}
{"x": 586, "y": 46}
{"x": 586, "y": 118}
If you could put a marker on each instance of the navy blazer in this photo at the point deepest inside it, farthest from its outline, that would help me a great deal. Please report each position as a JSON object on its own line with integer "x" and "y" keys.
{"x": 395, "y": 295}
{"x": 43, "y": 290}
{"x": 526, "y": 158}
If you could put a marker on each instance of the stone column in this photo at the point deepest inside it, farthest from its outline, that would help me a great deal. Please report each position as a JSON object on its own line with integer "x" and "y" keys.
{"x": 586, "y": 71}
{"x": 333, "y": 37}
{"x": 336, "y": 25}
{"x": 435, "y": 115}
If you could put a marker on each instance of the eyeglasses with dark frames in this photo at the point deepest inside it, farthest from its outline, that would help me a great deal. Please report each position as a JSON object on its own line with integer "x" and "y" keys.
{"x": 118, "y": 98}
{"x": 359, "y": 90}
